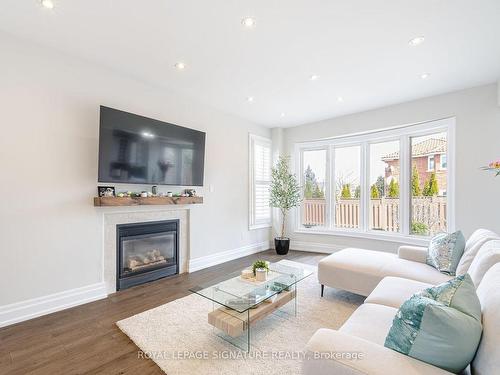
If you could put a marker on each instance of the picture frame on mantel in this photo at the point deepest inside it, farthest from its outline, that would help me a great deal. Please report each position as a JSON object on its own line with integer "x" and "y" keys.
{"x": 106, "y": 191}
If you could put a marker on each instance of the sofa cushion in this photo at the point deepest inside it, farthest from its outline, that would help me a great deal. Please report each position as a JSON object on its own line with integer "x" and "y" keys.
{"x": 394, "y": 291}
{"x": 370, "y": 322}
{"x": 415, "y": 271}
{"x": 354, "y": 270}
{"x": 414, "y": 253}
{"x": 340, "y": 357}
{"x": 440, "y": 325}
{"x": 359, "y": 270}
{"x": 486, "y": 257}
{"x": 472, "y": 246}
{"x": 487, "y": 359}
{"x": 445, "y": 251}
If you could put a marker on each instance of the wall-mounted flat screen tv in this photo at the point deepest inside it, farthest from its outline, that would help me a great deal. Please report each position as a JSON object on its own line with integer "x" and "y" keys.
{"x": 138, "y": 150}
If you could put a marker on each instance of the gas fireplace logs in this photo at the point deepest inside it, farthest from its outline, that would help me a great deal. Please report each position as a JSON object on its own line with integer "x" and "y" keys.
{"x": 150, "y": 258}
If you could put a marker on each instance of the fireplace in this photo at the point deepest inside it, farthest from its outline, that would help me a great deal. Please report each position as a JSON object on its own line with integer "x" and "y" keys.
{"x": 146, "y": 251}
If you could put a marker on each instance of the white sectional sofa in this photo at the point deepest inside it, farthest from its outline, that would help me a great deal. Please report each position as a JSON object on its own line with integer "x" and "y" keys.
{"x": 388, "y": 280}
{"x": 359, "y": 271}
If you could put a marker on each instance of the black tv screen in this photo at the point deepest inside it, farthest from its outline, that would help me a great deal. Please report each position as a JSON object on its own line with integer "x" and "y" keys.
{"x": 138, "y": 150}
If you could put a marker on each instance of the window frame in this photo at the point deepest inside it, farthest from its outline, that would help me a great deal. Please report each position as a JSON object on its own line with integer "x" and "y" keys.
{"x": 252, "y": 140}
{"x": 367, "y": 172}
{"x": 365, "y": 139}
{"x": 333, "y": 208}
{"x": 328, "y": 193}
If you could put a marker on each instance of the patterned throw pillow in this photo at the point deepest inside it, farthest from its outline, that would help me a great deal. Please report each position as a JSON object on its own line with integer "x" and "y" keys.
{"x": 439, "y": 325}
{"x": 459, "y": 293}
{"x": 445, "y": 251}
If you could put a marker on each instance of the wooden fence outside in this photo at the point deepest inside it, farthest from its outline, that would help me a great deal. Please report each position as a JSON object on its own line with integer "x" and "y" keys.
{"x": 384, "y": 213}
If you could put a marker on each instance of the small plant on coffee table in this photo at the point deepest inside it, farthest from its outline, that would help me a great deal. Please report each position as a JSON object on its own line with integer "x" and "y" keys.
{"x": 260, "y": 264}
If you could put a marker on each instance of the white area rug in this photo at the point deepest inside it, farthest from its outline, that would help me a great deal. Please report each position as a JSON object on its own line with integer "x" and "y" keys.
{"x": 178, "y": 338}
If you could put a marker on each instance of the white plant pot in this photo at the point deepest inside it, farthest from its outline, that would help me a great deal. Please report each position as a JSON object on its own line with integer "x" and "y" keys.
{"x": 260, "y": 274}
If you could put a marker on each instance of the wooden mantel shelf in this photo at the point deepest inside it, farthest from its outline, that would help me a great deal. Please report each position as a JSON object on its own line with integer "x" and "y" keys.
{"x": 149, "y": 201}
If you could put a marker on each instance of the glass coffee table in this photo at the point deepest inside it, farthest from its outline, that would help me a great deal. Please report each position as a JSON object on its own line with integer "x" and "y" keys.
{"x": 238, "y": 303}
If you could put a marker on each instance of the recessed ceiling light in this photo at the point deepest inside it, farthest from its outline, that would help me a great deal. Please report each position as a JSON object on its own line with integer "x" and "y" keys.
{"x": 282, "y": 114}
{"x": 250, "y": 99}
{"x": 416, "y": 41}
{"x": 180, "y": 66}
{"x": 340, "y": 99}
{"x": 314, "y": 77}
{"x": 424, "y": 75}
{"x": 49, "y": 4}
{"x": 248, "y": 22}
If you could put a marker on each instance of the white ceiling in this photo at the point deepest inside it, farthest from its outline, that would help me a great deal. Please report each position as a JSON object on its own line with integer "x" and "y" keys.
{"x": 359, "y": 48}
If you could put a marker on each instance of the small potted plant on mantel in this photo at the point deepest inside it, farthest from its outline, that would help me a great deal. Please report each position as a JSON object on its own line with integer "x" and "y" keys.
{"x": 285, "y": 194}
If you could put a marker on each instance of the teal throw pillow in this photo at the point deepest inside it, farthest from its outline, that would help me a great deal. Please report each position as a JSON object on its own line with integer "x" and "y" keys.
{"x": 445, "y": 251}
{"x": 439, "y": 325}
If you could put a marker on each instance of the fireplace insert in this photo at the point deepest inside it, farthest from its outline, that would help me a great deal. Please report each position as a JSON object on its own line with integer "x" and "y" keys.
{"x": 146, "y": 251}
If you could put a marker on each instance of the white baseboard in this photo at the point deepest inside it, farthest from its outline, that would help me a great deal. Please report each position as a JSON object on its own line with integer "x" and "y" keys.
{"x": 315, "y": 247}
{"x": 224, "y": 256}
{"x": 32, "y": 308}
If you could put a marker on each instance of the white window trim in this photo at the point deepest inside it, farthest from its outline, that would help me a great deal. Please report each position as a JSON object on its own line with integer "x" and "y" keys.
{"x": 403, "y": 134}
{"x": 252, "y": 138}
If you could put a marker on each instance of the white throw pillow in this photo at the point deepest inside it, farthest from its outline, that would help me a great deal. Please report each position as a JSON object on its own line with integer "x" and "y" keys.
{"x": 487, "y": 359}
{"x": 472, "y": 246}
{"x": 487, "y": 256}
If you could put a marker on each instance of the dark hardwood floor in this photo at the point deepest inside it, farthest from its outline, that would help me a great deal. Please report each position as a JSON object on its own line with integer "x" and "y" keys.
{"x": 85, "y": 339}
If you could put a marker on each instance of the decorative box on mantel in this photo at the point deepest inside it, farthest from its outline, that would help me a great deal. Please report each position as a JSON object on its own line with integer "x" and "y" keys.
{"x": 143, "y": 201}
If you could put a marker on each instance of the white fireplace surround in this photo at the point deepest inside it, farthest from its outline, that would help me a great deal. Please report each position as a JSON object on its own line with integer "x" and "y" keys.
{"x": 112, "y": 219}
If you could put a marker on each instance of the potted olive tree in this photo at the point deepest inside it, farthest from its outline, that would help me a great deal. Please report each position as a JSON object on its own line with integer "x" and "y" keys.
{"x": 285, "y": 195}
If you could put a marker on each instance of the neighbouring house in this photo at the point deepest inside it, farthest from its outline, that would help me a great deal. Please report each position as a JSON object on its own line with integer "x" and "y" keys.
{"x": 427, "y": 156}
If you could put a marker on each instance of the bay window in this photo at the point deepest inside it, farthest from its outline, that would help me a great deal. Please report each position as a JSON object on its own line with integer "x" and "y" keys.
{"x": 388, "y": 183}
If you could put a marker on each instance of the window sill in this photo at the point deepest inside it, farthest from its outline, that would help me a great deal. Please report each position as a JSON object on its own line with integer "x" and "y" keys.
{"x": 398, "y": 238}
{"x": 259, "y": 226}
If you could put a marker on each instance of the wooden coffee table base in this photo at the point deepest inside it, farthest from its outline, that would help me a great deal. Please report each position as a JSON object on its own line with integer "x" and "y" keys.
{"x": 235, "y": 324}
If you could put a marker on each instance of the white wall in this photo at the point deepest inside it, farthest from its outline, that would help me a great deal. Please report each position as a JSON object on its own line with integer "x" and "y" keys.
{"x": 477, "y": 142}
{"x": 51, "y": 235}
